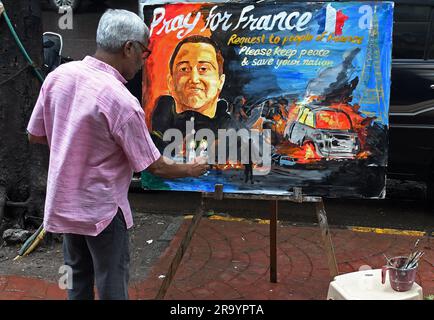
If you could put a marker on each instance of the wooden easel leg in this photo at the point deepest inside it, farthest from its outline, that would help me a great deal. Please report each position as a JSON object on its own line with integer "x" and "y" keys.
{"x": 273, "y": 241}
{"x": 327, "y": 239}
{"x": 180, "y": 252}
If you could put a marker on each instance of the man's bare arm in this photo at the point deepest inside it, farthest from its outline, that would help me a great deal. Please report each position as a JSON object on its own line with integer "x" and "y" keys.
{"x": 167, "y": 168}
{"x": 36, "y": 139}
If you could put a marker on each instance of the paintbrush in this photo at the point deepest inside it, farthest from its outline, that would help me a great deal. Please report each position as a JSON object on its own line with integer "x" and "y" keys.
{"x": 387, "y": 259}
{"x": 415, "y": 260}
{"x": 409, "y": 260}
{"x": 411, "y": 255}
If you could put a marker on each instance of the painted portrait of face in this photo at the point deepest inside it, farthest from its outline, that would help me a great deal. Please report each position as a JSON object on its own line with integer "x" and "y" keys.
{"x": 196, "y": 81}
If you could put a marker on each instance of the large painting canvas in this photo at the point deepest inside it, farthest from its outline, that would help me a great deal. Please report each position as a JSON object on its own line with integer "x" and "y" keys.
{"x": 275, "y": 95}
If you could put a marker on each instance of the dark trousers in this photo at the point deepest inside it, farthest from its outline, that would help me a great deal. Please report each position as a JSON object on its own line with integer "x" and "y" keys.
{"x": 103, "y": 259}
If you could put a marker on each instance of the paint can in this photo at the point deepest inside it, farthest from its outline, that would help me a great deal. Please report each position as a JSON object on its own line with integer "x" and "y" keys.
{"x": 400, "y": 279}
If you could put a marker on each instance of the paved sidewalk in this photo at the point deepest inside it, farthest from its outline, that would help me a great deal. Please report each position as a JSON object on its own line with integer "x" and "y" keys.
{"x": 230, "y": 260}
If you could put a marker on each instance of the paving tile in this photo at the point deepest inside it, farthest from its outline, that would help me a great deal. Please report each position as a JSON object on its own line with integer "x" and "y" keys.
{"x": 30, "y": 286}
{"x": 3, "y": 282}
{"x": 230, "y": 260}
{"x": 10, "y": 295}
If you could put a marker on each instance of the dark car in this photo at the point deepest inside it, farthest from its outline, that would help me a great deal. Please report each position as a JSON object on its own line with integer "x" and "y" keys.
{"x": 411, "y": 114}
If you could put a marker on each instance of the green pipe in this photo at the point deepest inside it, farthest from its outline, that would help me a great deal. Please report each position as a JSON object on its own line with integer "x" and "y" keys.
{"x": 22, "y": 49}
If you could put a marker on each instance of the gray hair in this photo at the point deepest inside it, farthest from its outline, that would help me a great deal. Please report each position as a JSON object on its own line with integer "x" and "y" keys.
{"x": 118, "y": 26}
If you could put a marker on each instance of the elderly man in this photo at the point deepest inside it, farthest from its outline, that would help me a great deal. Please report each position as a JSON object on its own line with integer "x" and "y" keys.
{"x": 97, "y": 136}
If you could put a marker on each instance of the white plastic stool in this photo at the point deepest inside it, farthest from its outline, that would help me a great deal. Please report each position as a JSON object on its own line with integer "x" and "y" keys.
{"x": 366, "y": 285}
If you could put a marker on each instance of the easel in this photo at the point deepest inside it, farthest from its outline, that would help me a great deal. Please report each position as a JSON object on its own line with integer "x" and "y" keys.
{"x": 295, "y": 196}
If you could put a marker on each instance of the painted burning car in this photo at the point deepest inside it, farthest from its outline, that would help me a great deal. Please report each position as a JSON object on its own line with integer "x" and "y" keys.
{"x": 329, "y": 130}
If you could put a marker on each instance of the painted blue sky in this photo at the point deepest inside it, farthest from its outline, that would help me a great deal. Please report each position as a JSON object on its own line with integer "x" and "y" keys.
{"x": 267, "y": 81}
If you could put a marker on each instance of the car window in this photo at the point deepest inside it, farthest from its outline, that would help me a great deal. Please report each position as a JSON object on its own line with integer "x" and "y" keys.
{"x": 303, "y": 115}
{"x": 309, "y": 120}
{"x": 300, "y": 112}
{"x": 411, "y": 24}
{"x": 332, "y": 120}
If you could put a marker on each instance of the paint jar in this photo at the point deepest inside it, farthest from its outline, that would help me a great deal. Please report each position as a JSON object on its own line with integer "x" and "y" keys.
{"x": 400, "y": 279}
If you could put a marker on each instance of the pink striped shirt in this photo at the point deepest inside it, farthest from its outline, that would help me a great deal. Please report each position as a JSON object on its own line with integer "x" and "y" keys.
{"x": 97, "y": 137}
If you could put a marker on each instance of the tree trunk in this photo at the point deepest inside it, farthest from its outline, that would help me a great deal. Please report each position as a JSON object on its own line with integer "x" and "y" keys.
{"x": 23, "y": 167}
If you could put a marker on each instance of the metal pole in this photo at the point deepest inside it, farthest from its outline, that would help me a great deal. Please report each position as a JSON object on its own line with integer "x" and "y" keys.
{"x": 273, "y": 241}
{"x": 327, "y": 239}
{"x": 180, "y": 252}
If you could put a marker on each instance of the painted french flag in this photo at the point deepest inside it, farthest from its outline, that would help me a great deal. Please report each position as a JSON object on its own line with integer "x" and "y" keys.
{"x": 331, "y": 20}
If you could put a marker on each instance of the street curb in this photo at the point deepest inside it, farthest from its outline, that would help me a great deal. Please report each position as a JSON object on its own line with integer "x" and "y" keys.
{"x": 410, "y": 233}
